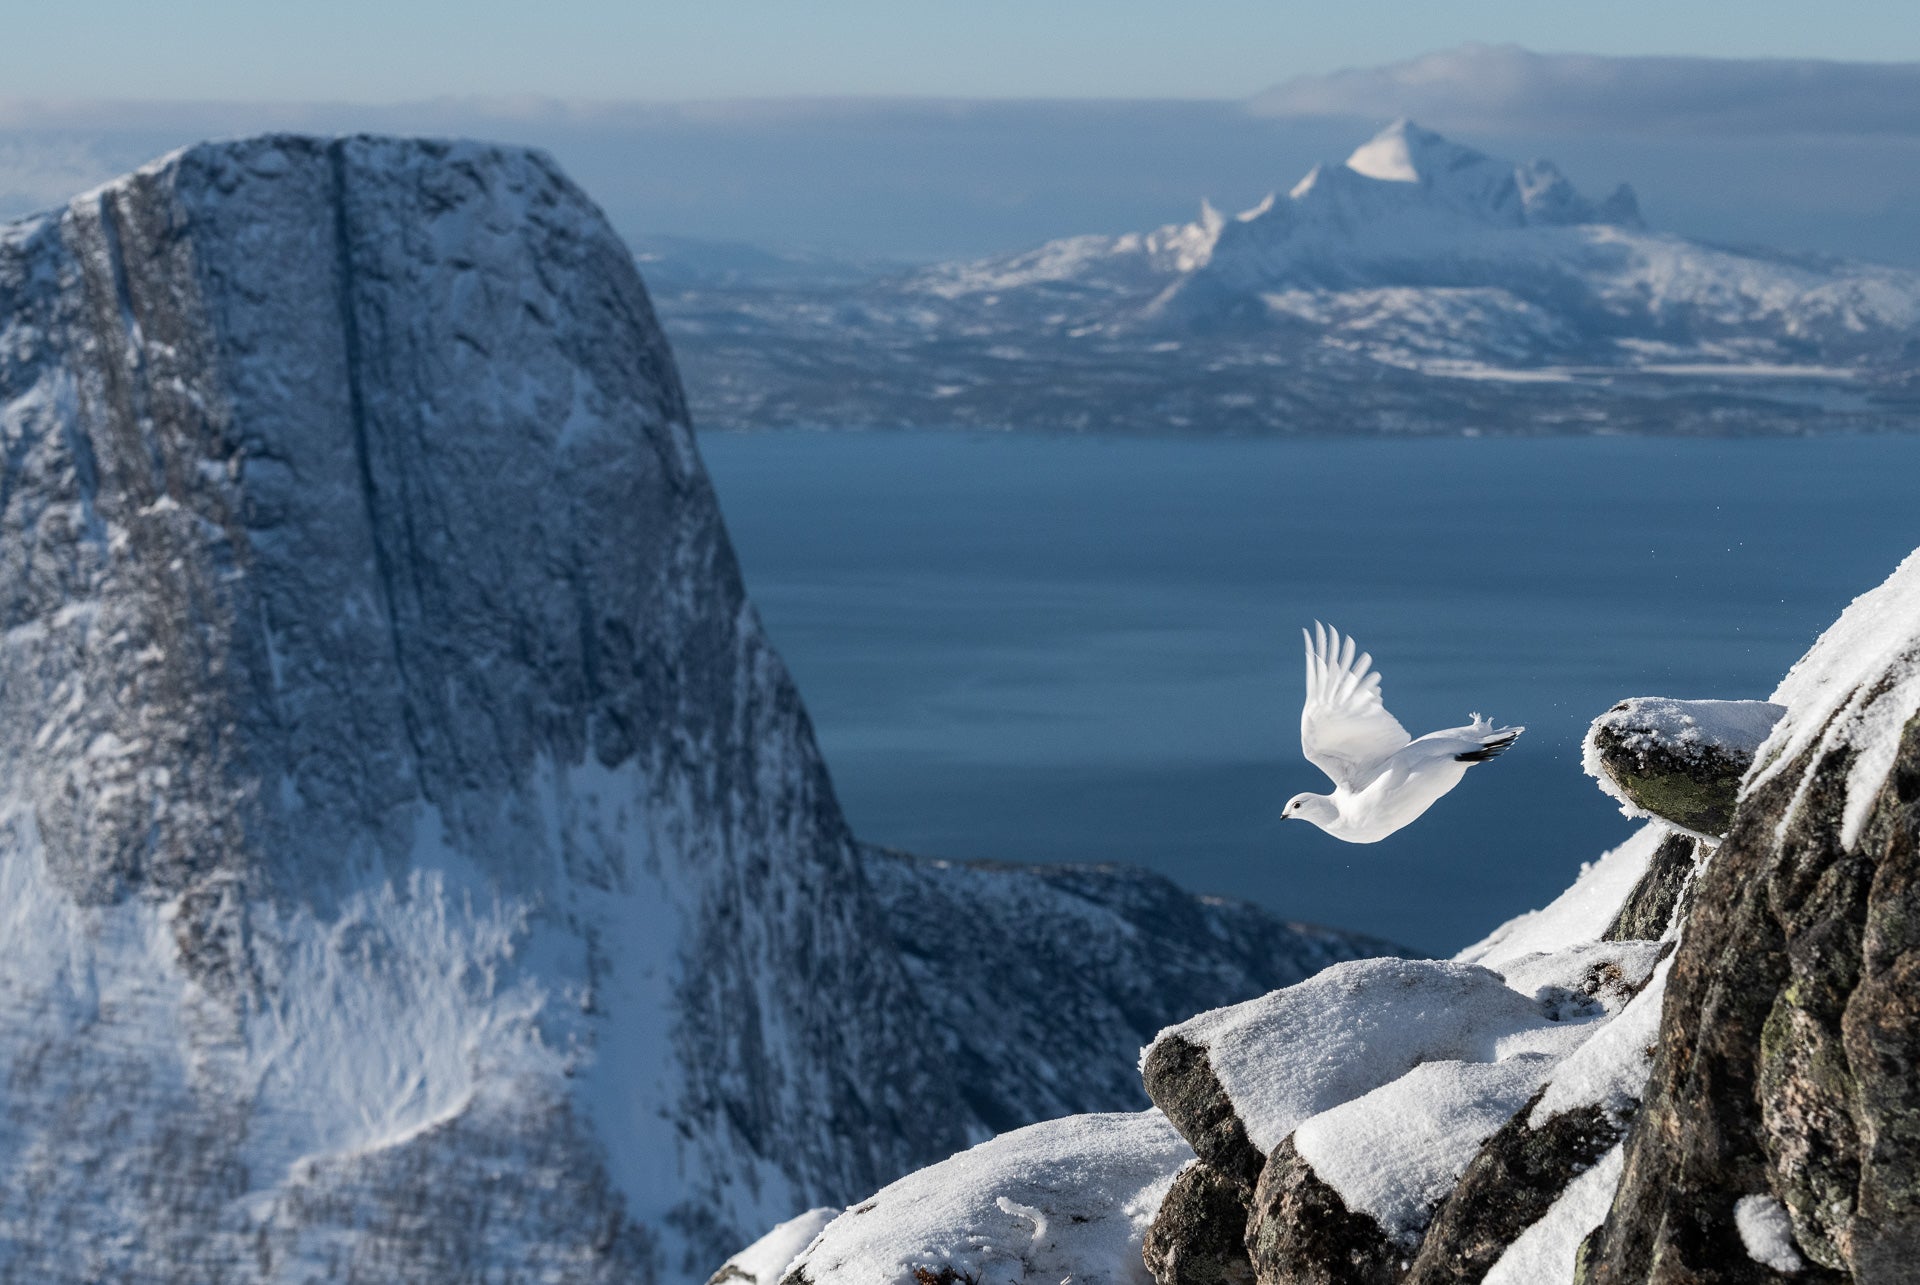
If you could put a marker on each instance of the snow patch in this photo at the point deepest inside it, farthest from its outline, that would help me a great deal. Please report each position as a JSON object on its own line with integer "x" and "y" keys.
{"x": 1395, "y": 1152}
{"x": 1067, "y": 1199}
{"x": 1856, "y": 688}
{"x": 1543, "y": 1254}
{"x": 766, "y": 1260}
{"x": 1767, "y": 1232}
{"x": 1610, "y": 1070}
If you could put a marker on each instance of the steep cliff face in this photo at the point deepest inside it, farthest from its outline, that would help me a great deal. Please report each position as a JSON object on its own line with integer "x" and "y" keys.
{"x": 398, "y": 785}
{"x": 415, "y": 864}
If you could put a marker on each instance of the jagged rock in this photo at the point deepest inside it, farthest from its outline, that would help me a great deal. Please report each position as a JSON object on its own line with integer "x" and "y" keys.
{"x": 1680, "y": 761}
{"x": 1238, "y": 1080}
{"x": 1181, "y": 1082}
{"x": 1509, "y": 1186}
{"x": 1299, "y": 1231}
{"x": 1654, "y": 903}
{"x": 1787, "y": 1055}
{"x": 1199, "y": 1236}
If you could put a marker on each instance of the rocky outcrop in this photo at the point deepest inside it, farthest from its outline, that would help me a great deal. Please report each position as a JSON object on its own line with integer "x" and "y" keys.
{"x": 1299, "y": 1231}
{"x": 1199, "y": 1233}
{"x": 1510, "y": 1185}
{"x": 1786, "y": 1061}
{"x": 1362, "y": 1061}
{"x": 1655, "y": 902}
{"x": 1680, "y": 761}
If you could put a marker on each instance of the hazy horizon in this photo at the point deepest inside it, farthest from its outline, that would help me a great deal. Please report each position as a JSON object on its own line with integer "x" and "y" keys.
{"x": 1799, "y": 155}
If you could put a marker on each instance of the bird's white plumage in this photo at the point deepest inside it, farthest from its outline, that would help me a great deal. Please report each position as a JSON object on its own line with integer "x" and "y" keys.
{"x": 1382, "y": 777}
{"x": 1345, "y": 729}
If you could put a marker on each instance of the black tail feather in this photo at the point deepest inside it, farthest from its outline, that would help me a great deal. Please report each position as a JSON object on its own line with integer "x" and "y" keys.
{"x": 1491, "y": 750}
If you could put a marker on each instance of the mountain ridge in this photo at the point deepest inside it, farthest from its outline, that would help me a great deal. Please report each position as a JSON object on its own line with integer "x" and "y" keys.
{"x": 1367, "y": 299}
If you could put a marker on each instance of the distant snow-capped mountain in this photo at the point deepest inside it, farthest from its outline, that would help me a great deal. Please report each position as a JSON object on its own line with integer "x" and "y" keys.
{"x": 1410, "y": 210}
{"x": 1362, "y": 299}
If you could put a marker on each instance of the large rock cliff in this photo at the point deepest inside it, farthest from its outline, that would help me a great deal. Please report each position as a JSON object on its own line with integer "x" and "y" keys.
{"x": 415, "y": 864}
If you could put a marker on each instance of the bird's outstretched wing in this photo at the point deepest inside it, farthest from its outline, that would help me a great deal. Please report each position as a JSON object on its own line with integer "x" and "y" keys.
{"x": 1345, "y": 730}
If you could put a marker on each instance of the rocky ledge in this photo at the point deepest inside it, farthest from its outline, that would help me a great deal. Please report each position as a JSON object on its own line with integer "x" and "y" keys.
{"x": 1679, "y": 761}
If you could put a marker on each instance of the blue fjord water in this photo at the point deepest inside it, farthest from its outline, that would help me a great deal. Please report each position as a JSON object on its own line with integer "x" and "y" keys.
{"x": 1031, "y": 648}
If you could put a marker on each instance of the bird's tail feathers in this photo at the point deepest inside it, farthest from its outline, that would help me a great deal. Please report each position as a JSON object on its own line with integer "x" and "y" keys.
{"x": 1494, "y": 741}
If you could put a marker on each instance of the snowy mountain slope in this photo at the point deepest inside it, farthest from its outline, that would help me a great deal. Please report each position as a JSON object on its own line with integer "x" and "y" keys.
{"x": 415, "y": 863}
{"x": 1371, "y": 296}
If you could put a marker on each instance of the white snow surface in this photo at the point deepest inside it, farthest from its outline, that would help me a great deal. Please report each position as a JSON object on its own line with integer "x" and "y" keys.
{"x": 1543, "y": 1253}
{"x": 1610, "y": 1070}
{"x": 1396, "y": 1151}
{"x": 1683, "y": 727}
{"x": 1287, "y": 1056}
{"x": 1767, "y": 1233}
{"x": 1836, "y": 697}
{"x": 1067, "y": 1199}
{"x": 766, "y": 1260}
{"x": 1560, "y": 979}
{"x": 1579, "y": 914}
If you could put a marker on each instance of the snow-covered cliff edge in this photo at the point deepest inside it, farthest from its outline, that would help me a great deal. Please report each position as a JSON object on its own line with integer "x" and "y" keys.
{"x": 415, "y": 864}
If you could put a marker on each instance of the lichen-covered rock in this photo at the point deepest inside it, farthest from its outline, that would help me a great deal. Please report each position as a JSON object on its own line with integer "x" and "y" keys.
{"x": 1300, "y": 1232}
{"x": 1510, "y": 1185}
{"x": 1654, "y": 903}
{"x": 1199, "y": 1236}
{"x": 1181, "y": 1082}
{"x": 1680, "y": 761}
{"x": 1788, "y": 1048}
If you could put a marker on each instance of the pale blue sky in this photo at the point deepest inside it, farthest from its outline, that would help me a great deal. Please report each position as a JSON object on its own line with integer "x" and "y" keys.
{"x": 392, "y": 50}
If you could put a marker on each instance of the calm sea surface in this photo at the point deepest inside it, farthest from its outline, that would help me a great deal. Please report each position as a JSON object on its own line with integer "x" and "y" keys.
{"x": 1051, "y": 649}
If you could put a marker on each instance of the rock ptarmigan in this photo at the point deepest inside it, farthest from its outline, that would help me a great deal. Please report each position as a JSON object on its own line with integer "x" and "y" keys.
{"x": 1382, "y": 778}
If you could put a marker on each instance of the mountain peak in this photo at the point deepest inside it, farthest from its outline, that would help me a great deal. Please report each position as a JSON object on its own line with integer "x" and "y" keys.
{"x": 1405, "y": 153}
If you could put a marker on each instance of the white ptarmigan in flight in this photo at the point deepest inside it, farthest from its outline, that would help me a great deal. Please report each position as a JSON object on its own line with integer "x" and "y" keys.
{"x": 1382, "y": 777}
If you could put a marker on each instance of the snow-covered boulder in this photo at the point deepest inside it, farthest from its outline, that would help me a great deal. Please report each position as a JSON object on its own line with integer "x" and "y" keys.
{"x": 1343, "y": 1112}
{"x": 1678, "y": 761}
{"x": 1070, "y": 1199}
{"x": 1237, "y": 1081}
